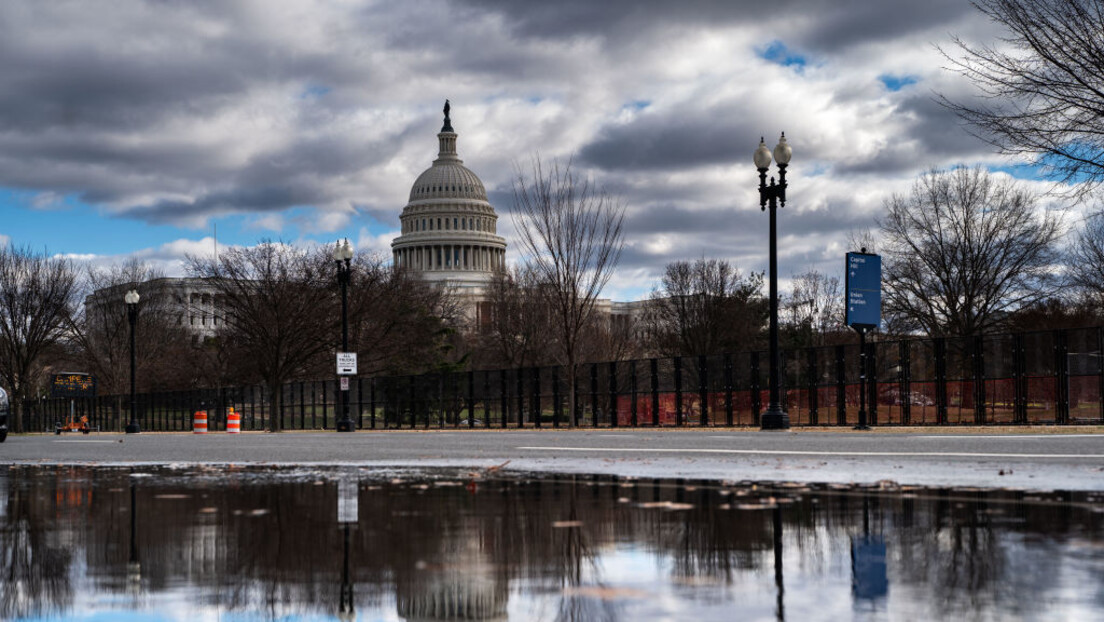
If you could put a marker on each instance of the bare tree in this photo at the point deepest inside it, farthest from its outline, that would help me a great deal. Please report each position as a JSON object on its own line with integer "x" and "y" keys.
{"x": 398, "y": 323}
{"x": 37, "y": 299}
{"x": 814, "y": 310}
{"x": 517, "y": 332}
{"x": 278, "y": 309}
{"x": 707, "y": 307}
{"x": 963, "y": 250}
{"x": 1043, "y": 91}
{"x": 571, "y": 234}
{"x": 101, "y": 330}
{"x": 1086, "y": 260}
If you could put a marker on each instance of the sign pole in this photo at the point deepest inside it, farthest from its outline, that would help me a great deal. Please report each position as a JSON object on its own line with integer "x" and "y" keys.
{"x": 864, "y": 311}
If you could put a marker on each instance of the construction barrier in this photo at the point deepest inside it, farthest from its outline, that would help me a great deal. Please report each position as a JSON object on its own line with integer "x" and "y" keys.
{"x": 199, "y": 422}
{"x": 233, "y": 422}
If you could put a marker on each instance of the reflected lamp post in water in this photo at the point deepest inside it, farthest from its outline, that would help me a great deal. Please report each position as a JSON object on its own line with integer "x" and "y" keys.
{"x": 343, "y": 257}
{"x": 131, "y": 300}
{"x": 774, "y": 197}
{"x": 348, "y": 513}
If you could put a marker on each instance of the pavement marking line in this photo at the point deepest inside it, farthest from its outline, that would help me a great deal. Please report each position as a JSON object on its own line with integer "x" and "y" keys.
{"x": 86, "y": 441}
{"x": 782, "y": 452}
{"x": 1016, "y": 436}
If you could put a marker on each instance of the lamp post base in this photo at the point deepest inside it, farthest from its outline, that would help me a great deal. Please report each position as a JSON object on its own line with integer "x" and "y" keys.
{"x": 133, "y": 428}
{"x": 774, "y": 419}
{"x": 346, "y": 425}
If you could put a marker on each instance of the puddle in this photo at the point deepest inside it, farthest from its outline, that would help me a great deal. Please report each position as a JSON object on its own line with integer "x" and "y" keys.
{"x": 198, "y": 543}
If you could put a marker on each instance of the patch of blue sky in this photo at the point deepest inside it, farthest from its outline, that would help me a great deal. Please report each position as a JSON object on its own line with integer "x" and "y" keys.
{"x": 1027, "y": 171}
{"x": 69, "y": 226}
{"x": 815, "y": 170}
{"x": 314, "y": 91}
{"x": 108, "y": 616}
{"x": 639, "y": 104}
{"x": 896, "y": 83}
{"x": 777, "y": 52}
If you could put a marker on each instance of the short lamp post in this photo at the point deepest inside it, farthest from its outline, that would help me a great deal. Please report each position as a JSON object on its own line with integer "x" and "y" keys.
{"x": 343, "y": 257}
{"x": 131, "y": 299}
{"x": 774, "y": 197}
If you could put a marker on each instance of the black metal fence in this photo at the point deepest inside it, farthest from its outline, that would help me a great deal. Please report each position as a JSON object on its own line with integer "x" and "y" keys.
{"x": 1040, "y": 377}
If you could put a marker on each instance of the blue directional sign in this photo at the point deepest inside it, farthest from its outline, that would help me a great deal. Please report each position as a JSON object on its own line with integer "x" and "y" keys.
{"x": 864, "y": 290}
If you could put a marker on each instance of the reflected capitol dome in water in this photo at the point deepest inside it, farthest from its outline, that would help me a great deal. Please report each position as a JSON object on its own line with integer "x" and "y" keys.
{"x": 449, "y": 229}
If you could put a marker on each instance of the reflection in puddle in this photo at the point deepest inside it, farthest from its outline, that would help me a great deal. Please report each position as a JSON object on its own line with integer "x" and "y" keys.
{"x": 203, "y": 543}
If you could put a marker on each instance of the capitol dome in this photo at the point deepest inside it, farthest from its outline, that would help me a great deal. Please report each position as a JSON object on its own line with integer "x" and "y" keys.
{"x": 449, "y": 229}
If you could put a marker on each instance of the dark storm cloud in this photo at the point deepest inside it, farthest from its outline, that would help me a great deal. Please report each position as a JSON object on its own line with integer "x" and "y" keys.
{"x": 683, "y": 139}
{"x": 819, "y": 25}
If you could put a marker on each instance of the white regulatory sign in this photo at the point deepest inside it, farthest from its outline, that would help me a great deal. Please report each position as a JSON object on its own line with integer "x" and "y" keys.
{"x": 346, "y": 364}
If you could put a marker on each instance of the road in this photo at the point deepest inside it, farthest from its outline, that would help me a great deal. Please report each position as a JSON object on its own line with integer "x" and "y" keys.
{"x": 1072, "y": 460}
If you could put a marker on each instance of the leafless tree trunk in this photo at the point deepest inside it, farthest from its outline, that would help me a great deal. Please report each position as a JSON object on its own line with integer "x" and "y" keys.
{"x": 279, "y": 309}
{"x": 37, "y": 299}
{"x": 571, "y": 234}
{"x": 707, "y": 307}
{"x": 963, "y": 250}
{"x": 1043, "y": 96}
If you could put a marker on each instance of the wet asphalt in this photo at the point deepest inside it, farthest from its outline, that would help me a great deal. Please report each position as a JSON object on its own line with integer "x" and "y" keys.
{"x": 1072, "y": 459}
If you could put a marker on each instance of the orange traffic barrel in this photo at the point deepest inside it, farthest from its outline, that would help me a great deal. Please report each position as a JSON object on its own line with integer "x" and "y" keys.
{"x": 233, "y": 422}
{"x": 199, "y": 422}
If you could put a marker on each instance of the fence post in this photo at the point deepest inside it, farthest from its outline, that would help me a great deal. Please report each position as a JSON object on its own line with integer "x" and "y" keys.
{"x": 577, "y": 408}
{"x": 979, "y": 379}
{"x": 535, "y": 401}
{"x": 703, "y": 389}
{"x": 654, "y": 364}
{"x": 520, "y": 396}
{"x": 904, "y": 377}
{"x": 613, "y": 393}
{"x": 728, "y": 389}
{"x": 594, "y": 393}
{"x": 941, "y": 380}
{"x": 811, "y": 373}
{"x": 632, "y": 391}
{"x": 505, "y": 400}
{"x": 871, "y": 381}
{"x": 557, "y": 406}
{"x": 372, "y": 401}
{"x": 678, "y": 390}
{"x": 1100, "y": 368}
{"x": 756, "y": 398}
{"x": 471, "y": 398}
{"x": 1019, "y": 378}
{"x": 1062, "y": 375}
{"x": 841, "y": 386}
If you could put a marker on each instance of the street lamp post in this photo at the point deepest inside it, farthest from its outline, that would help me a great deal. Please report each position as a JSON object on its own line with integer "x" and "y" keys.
{"x": 131, "y": 299}
{"x": 343, "y": 257}
{"x": 774, "y": 197}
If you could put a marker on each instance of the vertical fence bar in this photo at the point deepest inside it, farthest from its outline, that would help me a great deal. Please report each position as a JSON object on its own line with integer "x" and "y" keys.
{"x": 505, "y": 401}
{"x": 535, "y": 402}
{"x": 941, "y": 380}
{"x": 372, "y": 402}
{"x": 728, "y": 389}
{"x": 1062, "y": 375}
{"x": 360, "y": 403}
{"x": 1100, "y": 370}
{"x": 756, "y": 397}
{"x": 613, "y": 393}
{"x": 632, "y": 392}
{"x": 520, "y": 382}
{"x": 594, "y": 394}
{"x": 325, "y": 403}
{"x": 654, "y": 364}
{"x": 904, "y": 381}
{"x": 979, "y": 379}
{"x": 557, "y": 405}
{"x": 486, "y": 399}
{"x": 703, "y": 390}
{"x": 841, "y": 386}
{"x": 1019, "y": 378}
{"x": 811, "y": 385}
{"x": 678, "y": 390}
{"x": 471, "y": 399}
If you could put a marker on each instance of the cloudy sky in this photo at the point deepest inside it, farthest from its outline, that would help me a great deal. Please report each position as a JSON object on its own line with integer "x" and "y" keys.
{"x": 141, "y": 127}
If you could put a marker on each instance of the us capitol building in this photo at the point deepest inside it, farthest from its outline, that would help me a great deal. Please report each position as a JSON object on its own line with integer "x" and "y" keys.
{"x": 448, "y": 226}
